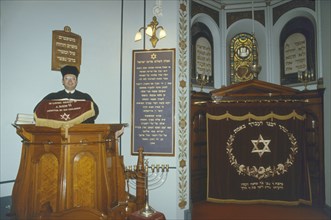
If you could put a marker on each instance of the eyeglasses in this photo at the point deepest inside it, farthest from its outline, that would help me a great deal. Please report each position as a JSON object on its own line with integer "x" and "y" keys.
{"x": 67, "y": 78}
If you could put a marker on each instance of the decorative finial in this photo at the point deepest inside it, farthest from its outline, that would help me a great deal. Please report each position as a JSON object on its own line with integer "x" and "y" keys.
{"x": 67, "y": 29}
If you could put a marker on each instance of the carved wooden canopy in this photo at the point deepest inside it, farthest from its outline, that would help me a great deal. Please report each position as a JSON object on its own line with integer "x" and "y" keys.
{"x": 253, "y": 88}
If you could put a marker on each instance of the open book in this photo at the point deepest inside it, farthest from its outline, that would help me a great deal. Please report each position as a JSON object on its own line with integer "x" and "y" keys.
{"x": 22, "y": 118}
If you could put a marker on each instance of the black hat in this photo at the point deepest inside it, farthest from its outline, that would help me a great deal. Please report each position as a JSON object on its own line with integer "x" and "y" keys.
{"x": 69, "y": 70}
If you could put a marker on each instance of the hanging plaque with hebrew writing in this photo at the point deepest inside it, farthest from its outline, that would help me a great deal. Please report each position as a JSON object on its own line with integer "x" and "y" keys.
{"x": 66, "y": 49}
{"x": 153, "y": 102}
{"x": 295, "y": 53}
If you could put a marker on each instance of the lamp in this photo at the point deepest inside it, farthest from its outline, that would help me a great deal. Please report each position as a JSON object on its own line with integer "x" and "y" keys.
{"x": 151, "y": 30}
{"x": 255, "y": 68}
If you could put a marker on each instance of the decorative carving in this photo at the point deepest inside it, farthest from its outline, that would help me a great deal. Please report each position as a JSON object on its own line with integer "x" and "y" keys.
{"x": 48, "y": 168}
{"x": 183, "y": 111}
{"x": 84, "y": 176}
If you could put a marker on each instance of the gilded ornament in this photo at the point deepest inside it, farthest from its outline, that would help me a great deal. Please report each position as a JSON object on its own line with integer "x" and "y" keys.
{"x": 182, "y": 163}
{"x": 182, "y": 83}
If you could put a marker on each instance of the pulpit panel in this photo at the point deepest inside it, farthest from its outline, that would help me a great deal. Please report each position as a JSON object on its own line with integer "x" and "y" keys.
{"x": 43, "y": 163}
{"x": 84, "y": 180}
{"x": 71, "y": 173}
{"x": 48, "y": 181}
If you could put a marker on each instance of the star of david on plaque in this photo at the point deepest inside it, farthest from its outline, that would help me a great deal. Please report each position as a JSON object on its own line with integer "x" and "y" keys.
{"x": 256, "y": 144}
{"x": 65, "y": 116}
{"x": 153, "y": 56}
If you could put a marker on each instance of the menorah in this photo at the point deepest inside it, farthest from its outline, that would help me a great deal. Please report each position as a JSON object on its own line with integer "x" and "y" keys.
{"x": 202, "y": 80}
{"x": 149, "y": 177}
{"x": 305, "y": 77}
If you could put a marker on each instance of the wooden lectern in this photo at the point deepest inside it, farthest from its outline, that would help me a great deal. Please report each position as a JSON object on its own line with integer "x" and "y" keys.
{"x": 71, "y": 173}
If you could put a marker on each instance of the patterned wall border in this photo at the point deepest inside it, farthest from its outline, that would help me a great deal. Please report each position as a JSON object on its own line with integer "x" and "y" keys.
{"x": 183, "y": 111}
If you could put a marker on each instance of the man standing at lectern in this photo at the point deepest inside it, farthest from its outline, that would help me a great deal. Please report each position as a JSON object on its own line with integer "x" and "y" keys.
{"x": 70, "y": 81}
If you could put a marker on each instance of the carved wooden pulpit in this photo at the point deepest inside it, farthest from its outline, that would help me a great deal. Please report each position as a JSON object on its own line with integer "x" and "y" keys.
{"x": 71, "y": 173}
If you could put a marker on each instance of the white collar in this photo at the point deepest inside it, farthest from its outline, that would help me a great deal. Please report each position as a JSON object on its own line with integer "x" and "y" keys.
{"x": 67, "y": 91}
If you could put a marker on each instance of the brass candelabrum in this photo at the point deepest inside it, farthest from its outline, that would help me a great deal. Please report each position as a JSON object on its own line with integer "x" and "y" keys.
{"x": 305, "y": 77}
{"x": 255, "y": 69}
{"x": 202, "y": 80}
{"x": 153, "y": 177}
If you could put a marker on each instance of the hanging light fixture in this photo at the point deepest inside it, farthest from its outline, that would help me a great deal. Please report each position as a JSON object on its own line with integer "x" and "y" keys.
{"x": 151, "y": 31}
{"x": 254, "y": 67}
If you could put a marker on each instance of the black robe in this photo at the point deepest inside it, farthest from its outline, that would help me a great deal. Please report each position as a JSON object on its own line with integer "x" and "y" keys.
{"x": 76, "y": 95}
